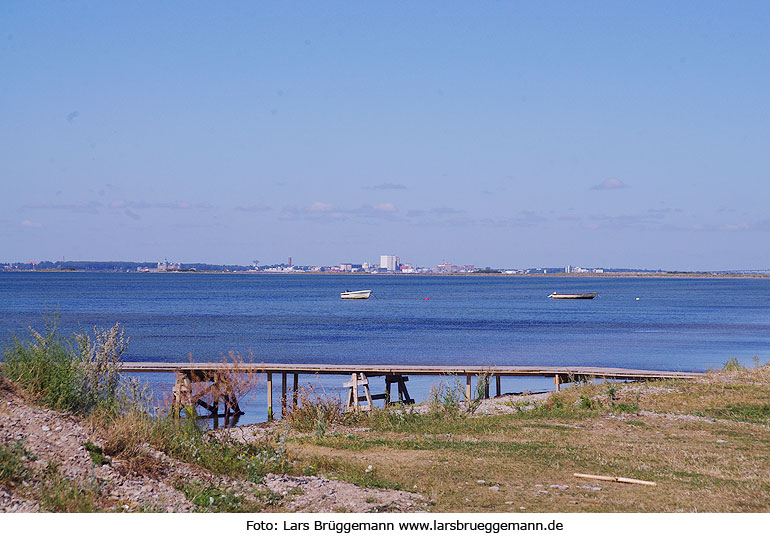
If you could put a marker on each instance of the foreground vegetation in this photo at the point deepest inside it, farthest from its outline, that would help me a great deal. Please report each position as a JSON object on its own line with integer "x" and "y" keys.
{"x": 81, "y": 376}
{"x": 703, "y": 442}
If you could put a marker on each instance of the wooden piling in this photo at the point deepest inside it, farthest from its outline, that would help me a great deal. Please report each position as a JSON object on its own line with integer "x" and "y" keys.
{"x": 468, "y": 389}
{"x": 295, "y": 390}
{"x": 557, "y": 381}
{"x": 283, "y": 394}
{"x": 269, "y": 396}
{"x": 497, "y": 385}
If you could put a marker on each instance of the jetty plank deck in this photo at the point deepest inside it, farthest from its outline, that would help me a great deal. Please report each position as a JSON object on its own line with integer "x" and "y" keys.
{"x": 189, "y": 375}
{"x": 412, "y": 370}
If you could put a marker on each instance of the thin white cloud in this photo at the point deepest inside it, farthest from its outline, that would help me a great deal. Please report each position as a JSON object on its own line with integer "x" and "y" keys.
{"x": 385, "y": 207}
{"x": 610, "y": 184}
{"x": 29, "y": 223}
{"x": 386, "y": 186}
{"x": 320, "y": 206}
{"x": 90, "y": 207}
{"x": 446, "y": 210}
{"x": 324, "y": 211}
{"x": 253, "y": 208}
{"x": 141, "y": 205}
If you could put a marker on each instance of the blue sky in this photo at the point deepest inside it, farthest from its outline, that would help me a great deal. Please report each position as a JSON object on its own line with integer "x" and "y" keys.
{"x": 510, "y": 134}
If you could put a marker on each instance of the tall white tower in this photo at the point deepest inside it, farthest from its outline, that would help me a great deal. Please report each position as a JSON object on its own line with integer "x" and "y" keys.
{"x": 389, "y": 262}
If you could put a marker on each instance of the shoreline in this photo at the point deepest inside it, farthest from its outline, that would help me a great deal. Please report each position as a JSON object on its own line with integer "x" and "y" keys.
{"x": 600, "y": 275}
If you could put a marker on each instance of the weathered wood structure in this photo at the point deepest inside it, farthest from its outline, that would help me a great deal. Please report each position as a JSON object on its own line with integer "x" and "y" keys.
{"x": 197, "y": 382}
{"x": 194, "y": 387}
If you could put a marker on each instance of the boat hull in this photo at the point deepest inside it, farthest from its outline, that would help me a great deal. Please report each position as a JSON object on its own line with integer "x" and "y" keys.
{"x": 572, "y": 295}
{"x": 363, "y": 294}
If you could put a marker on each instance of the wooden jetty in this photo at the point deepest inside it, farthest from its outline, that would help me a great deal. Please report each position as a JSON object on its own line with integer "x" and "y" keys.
{"x": 196, "y": 382}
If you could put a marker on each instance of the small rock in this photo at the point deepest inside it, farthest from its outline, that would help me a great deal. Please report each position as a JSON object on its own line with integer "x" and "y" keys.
{"x": 594, "y": 489}
{"x": 508, "y": 503}
{"x": 494, "y": 488}
{"x": 542, "y": 492}
{"x": 480, "y": 481}
{"x": 45, "y": 428}
{"x": 560, "y": 487}
{"x": 721, "y": 441}
{"x": 522, "y": 508}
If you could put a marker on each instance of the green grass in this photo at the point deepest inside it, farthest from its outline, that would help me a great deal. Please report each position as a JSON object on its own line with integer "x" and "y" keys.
{"x": 209, "y": 498}
{"x": 12, "y": 469}
{"x": 352, "y": 472}
{"x": 79, "y": 374}
{"x": 750, "y": 413}
{"x": 97, "y": 454}
{"x": 61, "y": 495}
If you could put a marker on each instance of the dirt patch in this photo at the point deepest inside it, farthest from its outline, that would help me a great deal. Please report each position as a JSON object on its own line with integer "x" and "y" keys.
{"x": 318, "y": 495}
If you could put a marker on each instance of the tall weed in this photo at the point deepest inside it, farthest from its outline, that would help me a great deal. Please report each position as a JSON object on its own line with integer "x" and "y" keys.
{"x": 79, "y": 375}
{"x": 315, "y": 410}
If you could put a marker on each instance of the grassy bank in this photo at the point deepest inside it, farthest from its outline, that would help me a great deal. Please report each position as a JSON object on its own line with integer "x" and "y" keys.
{"x": 703, "y": 442}
{"x": 80, "y": 376}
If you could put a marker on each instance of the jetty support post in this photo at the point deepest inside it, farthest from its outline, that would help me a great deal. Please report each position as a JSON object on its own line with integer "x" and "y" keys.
{"x": 269, "y": 396}
{"x": 283, "y": 393}
{"x": 295, "y": 390}
{"x": 497, "y": 385}
{"x": 181, "y": 395}
{"x": 486, "y": 385}
{"x": 468, "y": 396}
{"x": 557, "y": 381}
{"x": 358, "y": 379}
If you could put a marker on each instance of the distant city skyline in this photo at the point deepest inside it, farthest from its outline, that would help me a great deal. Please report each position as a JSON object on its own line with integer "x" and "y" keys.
{"x": 501, "y": 134}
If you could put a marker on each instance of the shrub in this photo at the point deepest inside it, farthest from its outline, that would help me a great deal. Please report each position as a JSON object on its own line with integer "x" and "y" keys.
{"x": 315, "y": 411}
{"x": 77, "y": 375}
{"x": 98, "y": 366}
{"x": 732, "y": 364}
{"x": 97, "y": 454}
{"x": 449, "y": 397}
{"x": 12, "y": 469}
{"x": 586, "y": 403}
{"x": 45, "y": 367}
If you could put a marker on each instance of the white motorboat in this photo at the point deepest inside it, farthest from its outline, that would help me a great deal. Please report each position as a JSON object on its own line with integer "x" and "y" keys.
{"x": 362, "y": 294}
{"x": 555, "y": 295}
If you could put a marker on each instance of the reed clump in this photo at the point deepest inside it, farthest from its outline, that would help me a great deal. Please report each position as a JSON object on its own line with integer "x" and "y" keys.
{"x": 315, "y": 410}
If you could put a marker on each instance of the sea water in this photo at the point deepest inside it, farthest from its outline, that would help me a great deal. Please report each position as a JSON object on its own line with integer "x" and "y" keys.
{"x": 676, "y": 323}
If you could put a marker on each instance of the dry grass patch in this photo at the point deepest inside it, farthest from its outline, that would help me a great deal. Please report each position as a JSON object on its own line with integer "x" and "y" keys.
{"x": 654, "y": 431}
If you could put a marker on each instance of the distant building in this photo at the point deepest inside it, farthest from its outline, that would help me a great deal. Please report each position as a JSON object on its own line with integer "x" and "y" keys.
{"x": 166, "y": 266}
{"x": 390, "y": 263}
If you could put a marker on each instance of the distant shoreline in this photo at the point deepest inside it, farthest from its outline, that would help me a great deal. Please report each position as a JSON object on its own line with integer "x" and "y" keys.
{"x": 609, "y": 275}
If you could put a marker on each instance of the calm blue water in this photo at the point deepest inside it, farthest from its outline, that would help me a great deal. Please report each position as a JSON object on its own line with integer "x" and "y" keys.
{"x": 678, "y": 324}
